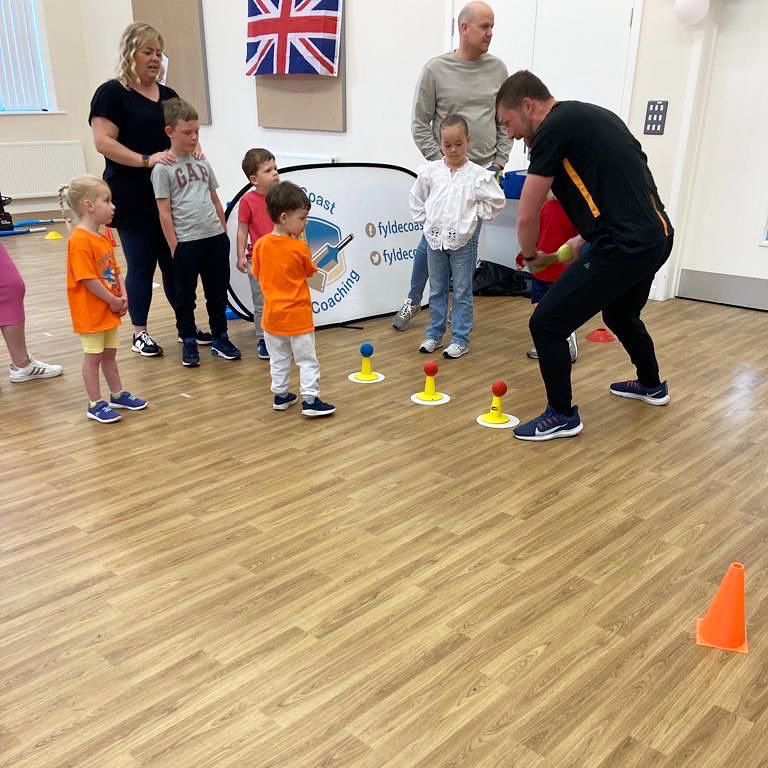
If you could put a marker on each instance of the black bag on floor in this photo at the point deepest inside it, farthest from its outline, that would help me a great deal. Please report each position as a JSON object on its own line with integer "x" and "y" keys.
{"x": 493, "y": 279}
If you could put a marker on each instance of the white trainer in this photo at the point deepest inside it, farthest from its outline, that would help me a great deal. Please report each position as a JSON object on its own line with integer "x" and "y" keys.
{"x": 455, "y": 350}
{"x": 34, "y": 369}
{"x": 428, "y": 346}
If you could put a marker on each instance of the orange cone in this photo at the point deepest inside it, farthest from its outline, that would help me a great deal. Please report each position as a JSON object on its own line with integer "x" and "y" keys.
{"x": 108, "y": 234}
{"x": 724, "y": 627}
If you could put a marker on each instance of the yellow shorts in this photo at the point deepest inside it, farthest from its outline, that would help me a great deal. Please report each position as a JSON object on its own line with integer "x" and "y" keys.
{"x": 96, "y": 343}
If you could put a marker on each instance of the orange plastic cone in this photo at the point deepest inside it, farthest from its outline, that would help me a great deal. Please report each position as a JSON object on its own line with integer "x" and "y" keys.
{"x": 724, "y": 627}
{"x": 108, "y": 234}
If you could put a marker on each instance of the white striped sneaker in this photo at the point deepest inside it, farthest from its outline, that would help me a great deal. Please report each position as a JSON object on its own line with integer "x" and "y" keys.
{"x": 34, "y": 369}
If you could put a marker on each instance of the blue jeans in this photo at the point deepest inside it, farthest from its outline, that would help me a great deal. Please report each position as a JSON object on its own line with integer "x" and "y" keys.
{"x": 444, "y": 265}
{"x": 420, "y": 271}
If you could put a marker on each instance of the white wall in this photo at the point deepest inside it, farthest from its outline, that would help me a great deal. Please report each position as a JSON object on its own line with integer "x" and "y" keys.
{"x": 385, "y": 50}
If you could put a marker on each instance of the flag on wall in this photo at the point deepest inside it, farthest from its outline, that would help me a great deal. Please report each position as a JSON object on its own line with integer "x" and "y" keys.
{"x": 288, "y": 37}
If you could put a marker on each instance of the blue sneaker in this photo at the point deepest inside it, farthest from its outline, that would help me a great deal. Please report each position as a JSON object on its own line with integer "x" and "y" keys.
{"x": 316, "y": 407}
{"x": 190, "y": 357}
{"x": 550, "y": 425}
{"x": 128, "y": 401}
{"x": 223, "y": 347}
{"x": 284, "y": 402}
{"x": 101, "y": 411}
{"x": 261, "y": 350}
{"x": 658, "y": 395}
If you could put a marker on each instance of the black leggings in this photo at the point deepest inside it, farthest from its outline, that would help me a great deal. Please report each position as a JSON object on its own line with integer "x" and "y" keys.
{"x": 613, "y": 281}
{"x": 145, "y": 248}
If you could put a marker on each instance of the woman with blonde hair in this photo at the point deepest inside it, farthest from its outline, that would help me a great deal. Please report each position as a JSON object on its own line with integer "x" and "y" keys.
{"x": 126, "y": 118}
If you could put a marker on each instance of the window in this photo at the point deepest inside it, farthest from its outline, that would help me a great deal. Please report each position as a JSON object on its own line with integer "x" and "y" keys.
{"x": 24, "y": 82}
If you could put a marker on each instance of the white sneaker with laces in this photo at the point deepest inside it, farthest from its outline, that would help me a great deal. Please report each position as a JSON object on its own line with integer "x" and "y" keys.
{"x": 405, "y": 315}
{"x": 428, "y": 346}
{"x": 573, "y": 347}
{"x": 455, "y": 350}
{"x": 34, "y": 369}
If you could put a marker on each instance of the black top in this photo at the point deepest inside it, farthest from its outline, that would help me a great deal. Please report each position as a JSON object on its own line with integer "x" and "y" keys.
{"x": 601, "y": 177}
{"x": 142, "y": 129}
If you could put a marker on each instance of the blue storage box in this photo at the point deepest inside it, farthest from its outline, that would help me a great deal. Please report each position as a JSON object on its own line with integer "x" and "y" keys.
{"x": 513, "y": 184}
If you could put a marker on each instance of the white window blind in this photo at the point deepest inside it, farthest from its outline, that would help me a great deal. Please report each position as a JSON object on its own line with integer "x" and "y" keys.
{"x": 23, "y": 75}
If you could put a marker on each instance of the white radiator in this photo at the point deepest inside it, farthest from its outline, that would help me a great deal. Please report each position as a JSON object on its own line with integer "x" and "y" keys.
{"x": 38, "y": 168}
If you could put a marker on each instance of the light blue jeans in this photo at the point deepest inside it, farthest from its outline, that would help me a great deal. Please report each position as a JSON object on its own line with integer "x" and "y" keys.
{"x": 420, "y": 271}
{"x": 444, "y": 265}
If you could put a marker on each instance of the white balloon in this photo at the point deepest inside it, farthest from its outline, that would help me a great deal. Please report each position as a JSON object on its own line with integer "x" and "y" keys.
{"x": 691, "y": 11}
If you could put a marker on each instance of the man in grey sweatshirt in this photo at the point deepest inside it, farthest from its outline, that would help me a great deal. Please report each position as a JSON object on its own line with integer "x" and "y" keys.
{"x": 465, "y": 82}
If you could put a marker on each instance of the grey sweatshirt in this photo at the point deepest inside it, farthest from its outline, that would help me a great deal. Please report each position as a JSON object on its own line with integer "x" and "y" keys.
{"x": 451, "y": 85}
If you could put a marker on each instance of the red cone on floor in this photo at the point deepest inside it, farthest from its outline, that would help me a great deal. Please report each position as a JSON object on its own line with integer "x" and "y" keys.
{"x": 108, "y": 234}
{"x": 602, "y": 335}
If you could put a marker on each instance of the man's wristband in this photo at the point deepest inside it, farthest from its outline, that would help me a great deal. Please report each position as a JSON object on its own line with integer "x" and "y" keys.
{"x": 145, "y": 161}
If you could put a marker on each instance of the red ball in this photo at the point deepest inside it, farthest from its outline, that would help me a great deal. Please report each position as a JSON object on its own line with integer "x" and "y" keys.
{"x": 499, "y": 388}
{"x": 430, "y": 368}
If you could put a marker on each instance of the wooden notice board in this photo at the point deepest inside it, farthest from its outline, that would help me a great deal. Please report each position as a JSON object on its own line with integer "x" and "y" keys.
{"x": 180, "y": 22}
{"x": 303, "y": 102}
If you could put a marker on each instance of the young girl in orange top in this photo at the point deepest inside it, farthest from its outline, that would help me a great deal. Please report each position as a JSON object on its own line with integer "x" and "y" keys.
{"x": 282, "y": 263}
{"x": 96, "y": 295}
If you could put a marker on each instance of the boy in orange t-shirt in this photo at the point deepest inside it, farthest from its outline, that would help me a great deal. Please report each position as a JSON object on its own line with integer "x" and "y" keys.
{"x": 281, "y": 262}
{"x": 96, "y": 295}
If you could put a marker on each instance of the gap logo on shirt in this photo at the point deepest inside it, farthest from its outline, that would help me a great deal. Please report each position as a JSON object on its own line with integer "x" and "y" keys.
{"x": 189, "y": 173}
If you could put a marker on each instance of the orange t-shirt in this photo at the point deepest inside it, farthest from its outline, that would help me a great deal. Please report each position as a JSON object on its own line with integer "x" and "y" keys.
{"x": 91, "y": 256}
{"x": 282, "y": 265}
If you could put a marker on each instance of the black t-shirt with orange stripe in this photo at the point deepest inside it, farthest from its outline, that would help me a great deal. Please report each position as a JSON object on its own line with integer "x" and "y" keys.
{"x": 601, "y": 177}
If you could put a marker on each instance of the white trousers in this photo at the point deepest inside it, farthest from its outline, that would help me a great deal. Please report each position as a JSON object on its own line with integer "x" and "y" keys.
{"x": 283, "y": 350}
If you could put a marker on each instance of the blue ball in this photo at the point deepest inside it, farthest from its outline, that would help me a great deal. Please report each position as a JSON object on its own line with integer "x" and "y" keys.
{"x": 366, "y": 350}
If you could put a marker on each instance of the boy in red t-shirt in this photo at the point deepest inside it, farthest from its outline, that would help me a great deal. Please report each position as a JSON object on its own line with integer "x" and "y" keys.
{"x": 555, "y": 228}
{"x": 253, "y": 222}
{"x": 282, "y": 263}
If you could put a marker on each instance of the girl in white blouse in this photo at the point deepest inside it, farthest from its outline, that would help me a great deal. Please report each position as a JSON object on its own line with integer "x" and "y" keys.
{"x": 451, "y": 196}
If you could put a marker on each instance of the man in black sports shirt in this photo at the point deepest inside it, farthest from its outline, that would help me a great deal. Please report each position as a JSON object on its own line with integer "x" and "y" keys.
{"x": 599, "y": 173}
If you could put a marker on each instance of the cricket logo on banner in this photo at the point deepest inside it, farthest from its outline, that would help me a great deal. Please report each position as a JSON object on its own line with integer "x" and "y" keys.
{"x": 293, "y": 37}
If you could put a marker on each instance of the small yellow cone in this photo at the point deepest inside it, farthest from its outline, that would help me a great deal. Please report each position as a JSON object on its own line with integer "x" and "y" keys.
{"x": 53, "y": 235}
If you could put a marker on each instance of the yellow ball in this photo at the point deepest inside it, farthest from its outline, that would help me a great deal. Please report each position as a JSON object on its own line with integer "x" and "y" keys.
{"x": 564, "y": 253}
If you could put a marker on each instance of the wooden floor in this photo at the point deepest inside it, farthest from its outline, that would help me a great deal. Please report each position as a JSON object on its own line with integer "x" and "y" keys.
{"x": 211, "y": 583}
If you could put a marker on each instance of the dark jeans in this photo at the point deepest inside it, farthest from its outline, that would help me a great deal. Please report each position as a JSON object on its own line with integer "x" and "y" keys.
{"x": 615, "y": 282}
{"x": 145, "y": 248}
{"x": 209, "y": 259}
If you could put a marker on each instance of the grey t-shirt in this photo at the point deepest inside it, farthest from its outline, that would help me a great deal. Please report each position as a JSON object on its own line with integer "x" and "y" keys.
{"x": 452, "y": 85}
{"x": 188, "y": 184}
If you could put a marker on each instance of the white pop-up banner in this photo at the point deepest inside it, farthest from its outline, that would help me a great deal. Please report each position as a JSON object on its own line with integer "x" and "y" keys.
{"x": 370, "y": 274}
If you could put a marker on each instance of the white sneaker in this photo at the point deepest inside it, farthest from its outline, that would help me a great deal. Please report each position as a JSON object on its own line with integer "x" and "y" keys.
{"x": 405, "y": 315}
{"x": 34, "y": 370}
{"x": 455, "y": 350}
{"x": 428, "y": 346}
{"x": 532, "y": 353}
{"x": 573, "y": 347}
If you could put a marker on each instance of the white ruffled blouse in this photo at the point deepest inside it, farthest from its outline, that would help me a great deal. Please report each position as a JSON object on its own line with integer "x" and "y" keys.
{"x": 450, "y": 204}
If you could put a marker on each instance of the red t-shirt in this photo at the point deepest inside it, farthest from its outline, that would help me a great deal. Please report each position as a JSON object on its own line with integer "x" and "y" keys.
{"x": 555, "y": 228}
{"x": 253, "y": 212}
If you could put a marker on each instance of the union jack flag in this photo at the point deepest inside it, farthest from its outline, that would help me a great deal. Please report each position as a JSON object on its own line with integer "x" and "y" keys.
{"x": 287, "y": 37}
